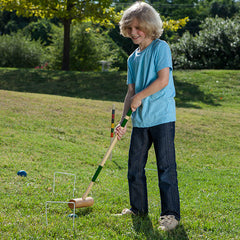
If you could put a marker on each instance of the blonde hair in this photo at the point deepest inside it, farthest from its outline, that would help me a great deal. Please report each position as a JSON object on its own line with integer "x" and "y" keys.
{"x": 148, "y": 18}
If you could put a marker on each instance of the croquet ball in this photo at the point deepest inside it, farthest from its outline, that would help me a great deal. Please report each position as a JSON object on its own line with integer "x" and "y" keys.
{"x": 73, "y": 215}
{"x": 22, "y": 173}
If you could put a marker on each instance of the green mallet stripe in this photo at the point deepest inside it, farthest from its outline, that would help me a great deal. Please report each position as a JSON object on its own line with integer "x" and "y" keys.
{"x": 97, "y": 173}
{"x": 124, "y": 122}
{"x": 129, "y": 112}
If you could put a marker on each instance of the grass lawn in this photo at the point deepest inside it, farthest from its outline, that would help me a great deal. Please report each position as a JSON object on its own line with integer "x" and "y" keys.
{"x": 60, "y": 122}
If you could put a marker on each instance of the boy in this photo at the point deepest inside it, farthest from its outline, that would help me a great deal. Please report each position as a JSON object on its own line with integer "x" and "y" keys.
{"x": 150, "y": 95}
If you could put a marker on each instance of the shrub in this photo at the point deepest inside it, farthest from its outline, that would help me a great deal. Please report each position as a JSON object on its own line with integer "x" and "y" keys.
{"x": 217, "y": 46}
{"x": 18, "y": 51}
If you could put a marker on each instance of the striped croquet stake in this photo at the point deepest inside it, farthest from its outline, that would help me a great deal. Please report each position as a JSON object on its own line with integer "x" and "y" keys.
{"x": 112, "y": 127}
{"x": 125, "y": 120}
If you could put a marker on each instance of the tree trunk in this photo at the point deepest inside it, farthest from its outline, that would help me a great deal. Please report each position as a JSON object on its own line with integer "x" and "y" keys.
{"x": 66, "y": 44}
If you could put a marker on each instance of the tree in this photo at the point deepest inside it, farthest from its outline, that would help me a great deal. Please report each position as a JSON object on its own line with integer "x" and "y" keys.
{"x": 67, "y": 11}
{"x": 89, "y": 45}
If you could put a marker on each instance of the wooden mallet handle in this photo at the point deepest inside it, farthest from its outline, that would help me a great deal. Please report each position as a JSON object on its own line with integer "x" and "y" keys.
{"x": 123, "y": 124}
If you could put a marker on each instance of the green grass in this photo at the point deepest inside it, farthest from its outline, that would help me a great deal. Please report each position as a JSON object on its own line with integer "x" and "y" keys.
{"x": 60, "y": 122}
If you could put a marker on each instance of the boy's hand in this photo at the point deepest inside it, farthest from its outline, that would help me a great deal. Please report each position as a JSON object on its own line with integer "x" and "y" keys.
{"x": 136, "y": 102}
{"x": 120, "y": 131}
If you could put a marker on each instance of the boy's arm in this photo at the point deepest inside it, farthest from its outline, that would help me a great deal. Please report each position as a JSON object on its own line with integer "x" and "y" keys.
{"x": 127, "y": 100}
{"x": 127, "y": 103}
{"x": 160, "y": 83}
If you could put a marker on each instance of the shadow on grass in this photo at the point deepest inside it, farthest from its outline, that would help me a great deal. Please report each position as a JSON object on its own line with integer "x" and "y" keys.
{"x": 84, "y": 212}
{"x": 144, "y": 226}
{"x": 109, "y": 86}
{"x": 118, "y": 166}
{"x": 188, "y": 94}
{"x": 106, "y": 86}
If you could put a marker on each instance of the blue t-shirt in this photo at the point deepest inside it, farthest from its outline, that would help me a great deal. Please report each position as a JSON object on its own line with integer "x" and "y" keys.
{"x": 143, "y": 69}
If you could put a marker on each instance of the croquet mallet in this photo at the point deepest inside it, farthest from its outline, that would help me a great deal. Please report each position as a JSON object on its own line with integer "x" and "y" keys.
{"x": 85, "y": 201}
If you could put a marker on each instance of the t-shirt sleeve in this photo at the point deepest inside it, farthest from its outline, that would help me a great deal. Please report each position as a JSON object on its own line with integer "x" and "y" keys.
{"x": 163, "y": 57}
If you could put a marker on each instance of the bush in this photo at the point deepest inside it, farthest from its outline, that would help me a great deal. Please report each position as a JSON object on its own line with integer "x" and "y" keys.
{"x": 40, "y": 30}
{"x": 223, "y": 9}
{"x": 89, "y": 46}
{"x": 18, "y": 51}
{"x": 217, "y": 46}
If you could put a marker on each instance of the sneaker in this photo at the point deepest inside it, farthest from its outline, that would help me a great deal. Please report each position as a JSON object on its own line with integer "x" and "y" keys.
{"x": 168, "y": 222}
{"x": 127, "y": 211}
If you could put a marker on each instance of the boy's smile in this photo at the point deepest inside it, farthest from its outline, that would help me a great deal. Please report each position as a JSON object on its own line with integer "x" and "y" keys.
{"x": 137, "y": 35}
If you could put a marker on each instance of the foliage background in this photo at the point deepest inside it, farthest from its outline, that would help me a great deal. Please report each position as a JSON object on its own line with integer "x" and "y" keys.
{"x": 211, "y": 31}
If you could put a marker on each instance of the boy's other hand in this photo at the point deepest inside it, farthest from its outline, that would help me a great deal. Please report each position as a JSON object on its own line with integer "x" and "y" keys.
{"x": 120, "y": 131}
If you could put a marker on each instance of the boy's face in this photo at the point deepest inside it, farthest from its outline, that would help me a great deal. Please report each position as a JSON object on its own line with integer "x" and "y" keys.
{"x": 138, "y": 36}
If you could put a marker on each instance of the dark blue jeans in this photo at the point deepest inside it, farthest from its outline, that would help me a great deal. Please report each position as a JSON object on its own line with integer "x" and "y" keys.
{"x": 162, "y": 137}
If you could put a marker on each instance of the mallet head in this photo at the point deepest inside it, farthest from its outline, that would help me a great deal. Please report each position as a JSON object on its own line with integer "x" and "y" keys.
{"x": 80, "y": 203}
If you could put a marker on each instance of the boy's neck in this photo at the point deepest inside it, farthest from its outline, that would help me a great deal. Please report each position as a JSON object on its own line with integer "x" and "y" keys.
{"x": 145, "y": 44}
